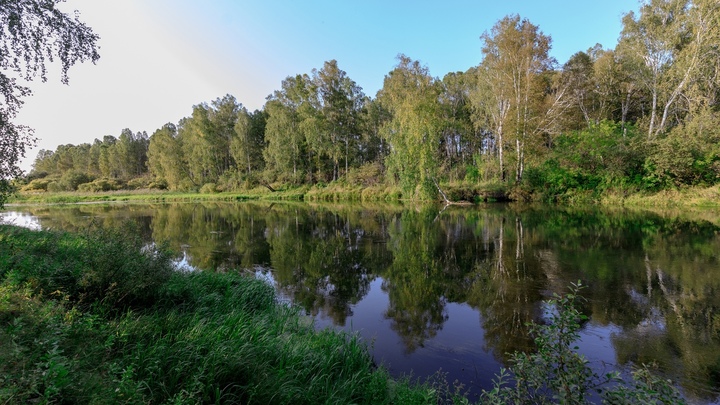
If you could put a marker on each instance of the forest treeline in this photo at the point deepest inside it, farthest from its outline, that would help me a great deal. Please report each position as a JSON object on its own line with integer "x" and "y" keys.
{"x": 643, "y": 116}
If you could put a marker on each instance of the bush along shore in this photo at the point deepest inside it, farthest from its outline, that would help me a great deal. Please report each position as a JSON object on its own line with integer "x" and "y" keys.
{"x": 100, "y": 317}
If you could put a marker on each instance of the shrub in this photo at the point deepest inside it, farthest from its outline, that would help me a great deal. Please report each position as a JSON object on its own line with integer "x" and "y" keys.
{"x": 33, "y": 175}
{"x": 55, "y": 187}
{"x": 689, "y": 154}
{"x": 159, "y": 184}
{"x": 72, "y": 179}
{"x": 103, "y": 184}
{"x": 139, "y": 183}
{"x": 37, "y": 185}
{"x": 556, "y": 373}
{"x": 472, "y": 173}
{"x": 369, "y": 174}
{"x": 208, "y": 188}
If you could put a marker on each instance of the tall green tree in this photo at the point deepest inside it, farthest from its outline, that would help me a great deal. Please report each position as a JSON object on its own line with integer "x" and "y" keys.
{"x": 341, "y": 101}
{"x": 166, "y": 160}
{"x": 579, "y": 74}
{"x": 285, "y": 151}
{"x": 458, "y": 140}
{"x": 108, "y": 167}
{"x": 514, "y": 97}
{"x": 129, "y": 154}
{"x": 669, "y": 40}
{"x": 206, "y": 136}
{"x": 249, "y": 140}
{"x": 373, "y": 147}
{"x": 410, "y": 95}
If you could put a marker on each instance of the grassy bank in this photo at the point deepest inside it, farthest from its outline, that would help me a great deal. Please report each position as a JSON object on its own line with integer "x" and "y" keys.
{"x": 95, "y": 318}
{"x": 697, "y": 197}
{"x": 291, "y": 194}
{"x": 341, "y": 191}
{"x": 335, "y": 191}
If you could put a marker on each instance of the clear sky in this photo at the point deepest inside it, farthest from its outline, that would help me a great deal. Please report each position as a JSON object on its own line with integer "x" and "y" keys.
{"x": 161, "y": 57}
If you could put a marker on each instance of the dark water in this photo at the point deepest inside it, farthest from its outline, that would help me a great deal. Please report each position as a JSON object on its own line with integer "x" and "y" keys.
{"x": 454, "y": 290}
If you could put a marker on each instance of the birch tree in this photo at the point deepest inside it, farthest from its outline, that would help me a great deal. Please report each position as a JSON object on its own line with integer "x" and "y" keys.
{"x": 669, "y": 38}
{"x": 511, "y": 97}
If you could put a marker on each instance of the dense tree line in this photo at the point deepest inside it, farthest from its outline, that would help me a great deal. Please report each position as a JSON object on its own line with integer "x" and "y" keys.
{"x": 642, "y": 116}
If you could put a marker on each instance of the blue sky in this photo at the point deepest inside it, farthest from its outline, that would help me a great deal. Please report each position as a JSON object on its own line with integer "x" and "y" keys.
{"x": 161, "y": 57}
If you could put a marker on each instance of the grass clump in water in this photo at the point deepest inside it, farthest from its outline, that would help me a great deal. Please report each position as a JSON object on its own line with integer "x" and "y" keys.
{"x": 101, "y": 318}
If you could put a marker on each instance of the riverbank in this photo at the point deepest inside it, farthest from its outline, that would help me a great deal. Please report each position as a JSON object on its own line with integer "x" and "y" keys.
{"x": 695, "y": 197}
{"x": 337, "y": 191}
{"x": 151, "y": 196}
{"x": 97, "y": 318}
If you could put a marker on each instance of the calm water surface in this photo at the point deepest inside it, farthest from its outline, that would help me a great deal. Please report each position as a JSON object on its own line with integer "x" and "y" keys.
{"x": 454, "y": 289}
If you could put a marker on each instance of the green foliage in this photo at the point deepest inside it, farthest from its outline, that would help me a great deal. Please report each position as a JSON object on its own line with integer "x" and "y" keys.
{"x": 369, "y": 174}
{"x": 472, "y": 173}
{"x": 102, "y": 184}
{"x": 112, "y": 268}
{"x": 584, "y": 164}
{"x": 144, "y": 182}
{"x": 155, "y": 335}
{"x": 37, "y": 185}
{"x": 410, "y": 96}
{"x": 55, "y": 187}
{"x": 556, "y": 373}
{"x": 72, "y": 179}
{"x": 33, "y": 33}
{"x": 165, "y": 158}
{"x": 247, "y": 143}
{"x": 208, "y": 188}
{"x": 688, "y": 155}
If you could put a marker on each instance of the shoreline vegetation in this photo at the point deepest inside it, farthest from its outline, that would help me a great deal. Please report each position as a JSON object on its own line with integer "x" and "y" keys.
{"x": 457, "y": 194}
{"x": 97, "y": 317}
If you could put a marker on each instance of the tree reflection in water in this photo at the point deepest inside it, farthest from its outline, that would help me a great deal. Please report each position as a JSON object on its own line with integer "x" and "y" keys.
{"x": 654, "y": 280}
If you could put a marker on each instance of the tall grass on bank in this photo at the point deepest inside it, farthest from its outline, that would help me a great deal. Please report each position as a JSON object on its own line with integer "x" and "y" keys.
{"x": 67, "y": 197}
{"x": 100, "y": 318}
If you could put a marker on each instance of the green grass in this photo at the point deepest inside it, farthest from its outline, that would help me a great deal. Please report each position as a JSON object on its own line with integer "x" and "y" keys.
{"x": 696, "y": 197}
{"x": 336, "y": 191}
{"x": 151, "y": 196}
{"x": 95, "y": 318}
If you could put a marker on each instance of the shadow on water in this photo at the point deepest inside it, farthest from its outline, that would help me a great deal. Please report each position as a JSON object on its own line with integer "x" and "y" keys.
{"x": 456, "y": 290}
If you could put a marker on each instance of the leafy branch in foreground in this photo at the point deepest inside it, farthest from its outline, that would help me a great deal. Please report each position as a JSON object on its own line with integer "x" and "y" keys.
{"x": 33, "y": 33}
{"x": 557, "y": 373}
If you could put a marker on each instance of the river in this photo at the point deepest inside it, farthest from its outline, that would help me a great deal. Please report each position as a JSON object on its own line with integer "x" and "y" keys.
{"x": 453, "y": 290}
